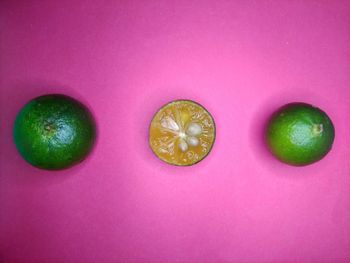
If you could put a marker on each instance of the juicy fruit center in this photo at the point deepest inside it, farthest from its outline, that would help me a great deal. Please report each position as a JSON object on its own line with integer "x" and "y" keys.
{"x": 184, "y": 138}
{"x": 182, "y": 133}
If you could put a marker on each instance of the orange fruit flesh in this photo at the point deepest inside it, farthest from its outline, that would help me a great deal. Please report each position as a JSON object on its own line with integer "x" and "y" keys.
{"x": 182, "y": 133}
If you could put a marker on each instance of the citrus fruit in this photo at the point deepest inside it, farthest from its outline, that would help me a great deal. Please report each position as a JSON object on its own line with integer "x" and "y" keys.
{"x": 299, "y": 134}
{"x": 182, "y": 133}
{"x": 54, "y": 132}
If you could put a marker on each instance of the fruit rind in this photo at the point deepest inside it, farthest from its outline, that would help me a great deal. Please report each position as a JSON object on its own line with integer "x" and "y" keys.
{"x": 54, "y": 132}
{"x": 299, "y": 134}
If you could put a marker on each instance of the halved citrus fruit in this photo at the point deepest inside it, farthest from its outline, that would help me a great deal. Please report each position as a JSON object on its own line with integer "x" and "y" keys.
{"x": 182, "y": 133}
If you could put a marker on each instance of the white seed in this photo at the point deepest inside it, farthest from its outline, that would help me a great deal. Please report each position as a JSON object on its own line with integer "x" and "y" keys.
{"x": 192, "y": 141}
{"x": 182, "y": 135}
{"x": 194, "y": 129}
{"x": 183, "y": 145}
{"x": 168, "y": 123}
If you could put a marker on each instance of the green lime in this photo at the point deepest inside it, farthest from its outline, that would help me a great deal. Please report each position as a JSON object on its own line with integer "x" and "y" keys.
{"x": 299, "y": 134}
{"x": 54, "y": 132}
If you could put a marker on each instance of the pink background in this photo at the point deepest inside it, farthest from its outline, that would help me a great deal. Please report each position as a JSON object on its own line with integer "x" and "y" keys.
{"x": 124, "y": 59}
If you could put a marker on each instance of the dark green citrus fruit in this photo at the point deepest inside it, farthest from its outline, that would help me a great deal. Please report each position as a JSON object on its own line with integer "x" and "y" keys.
{"x": 54, "y": 132}
{"x": 299, "y": 134}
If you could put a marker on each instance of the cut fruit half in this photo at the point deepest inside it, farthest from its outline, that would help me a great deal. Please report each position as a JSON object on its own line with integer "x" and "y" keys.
{"x": 182, "y": 133}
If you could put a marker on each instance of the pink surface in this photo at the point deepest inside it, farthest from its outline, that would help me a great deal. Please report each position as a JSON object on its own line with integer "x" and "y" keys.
{"x": 124, "y": 59}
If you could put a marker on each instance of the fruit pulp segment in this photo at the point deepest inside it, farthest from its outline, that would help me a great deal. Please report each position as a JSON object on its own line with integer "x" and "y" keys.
{"x": 182, "y": 133}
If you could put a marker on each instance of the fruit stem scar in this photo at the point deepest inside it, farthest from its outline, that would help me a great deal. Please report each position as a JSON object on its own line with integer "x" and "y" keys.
{"x": 48, "y": 127}
{"x": 317, "y": 129}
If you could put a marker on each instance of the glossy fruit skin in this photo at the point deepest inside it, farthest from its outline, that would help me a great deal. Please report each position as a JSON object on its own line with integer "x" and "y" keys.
{"x": 299, "y": 134}
{"x": 54, "y": 132}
